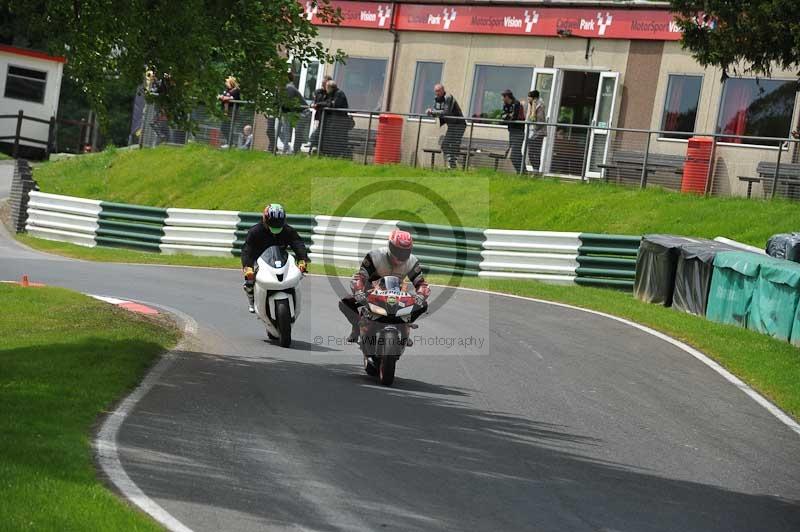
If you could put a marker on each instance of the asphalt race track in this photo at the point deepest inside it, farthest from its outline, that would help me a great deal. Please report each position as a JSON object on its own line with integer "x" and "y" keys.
{"x": 564, "y": 421}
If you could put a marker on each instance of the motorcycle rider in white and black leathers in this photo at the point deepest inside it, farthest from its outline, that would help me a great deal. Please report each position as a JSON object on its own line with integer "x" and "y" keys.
{"x": 395, "y": 259}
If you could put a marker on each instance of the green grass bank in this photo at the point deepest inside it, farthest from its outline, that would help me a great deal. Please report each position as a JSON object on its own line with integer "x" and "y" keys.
{"x": 57, "y": 375}
{"x": 204, "y": 178}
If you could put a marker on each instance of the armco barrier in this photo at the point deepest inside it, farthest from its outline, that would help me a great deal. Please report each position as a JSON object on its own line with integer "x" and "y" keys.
{"x": 130, "y": 226}
{"x": 63, "y": 218}
{"x": 556, "y": 257}
{"x": 607, "y": 260}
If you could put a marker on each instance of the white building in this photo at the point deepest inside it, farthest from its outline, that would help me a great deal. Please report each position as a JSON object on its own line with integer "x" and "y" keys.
{"x": 30, "y": 81}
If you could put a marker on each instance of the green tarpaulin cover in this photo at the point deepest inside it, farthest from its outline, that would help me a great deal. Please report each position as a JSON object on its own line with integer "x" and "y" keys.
{"x": 732, "y": 285}
{"x": 774, "y": 307}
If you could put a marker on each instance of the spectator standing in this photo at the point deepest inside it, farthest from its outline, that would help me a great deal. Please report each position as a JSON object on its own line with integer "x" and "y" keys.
{"x": 293, "y": 104}
{"x": 537, "y": 131}
{"x": 229, "y": 99}
{"x": 514, "y": 116}
{"x": 446, "y": 109}
{"x": 319, "y": 96}
{"x": 335, "y": 124}
{"x": 247, "y": 138}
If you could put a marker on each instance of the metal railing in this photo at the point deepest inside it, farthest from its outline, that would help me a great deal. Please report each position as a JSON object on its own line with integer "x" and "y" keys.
{"x": 715, "y": 164}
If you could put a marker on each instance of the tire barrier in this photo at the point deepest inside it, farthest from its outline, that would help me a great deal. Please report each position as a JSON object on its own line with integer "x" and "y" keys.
{"x": 555, "y": 257}
{"x": 21, "y": 186}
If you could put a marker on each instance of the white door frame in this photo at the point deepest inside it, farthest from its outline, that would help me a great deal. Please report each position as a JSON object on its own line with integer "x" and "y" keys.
{"x": 551, "y": 117}
{"x": 600, "y": 128}
{"x": 301, "y": 84}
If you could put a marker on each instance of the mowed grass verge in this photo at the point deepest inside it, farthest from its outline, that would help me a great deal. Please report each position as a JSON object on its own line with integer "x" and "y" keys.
{"x": 64, "y": 359}
{"x": 770, "y": 366}
{"x": 203, "y": 178}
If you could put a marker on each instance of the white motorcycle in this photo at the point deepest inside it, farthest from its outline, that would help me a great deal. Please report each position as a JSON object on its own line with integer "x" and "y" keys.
{"x": 277, "y": 293}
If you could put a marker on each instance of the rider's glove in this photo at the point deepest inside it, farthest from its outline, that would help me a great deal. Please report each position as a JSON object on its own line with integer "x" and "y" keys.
{"x": 249, "y": 274}
{"x": 301, "y": 265}
{"x": 419, "y": 300}
{"x": 361, "y": 297}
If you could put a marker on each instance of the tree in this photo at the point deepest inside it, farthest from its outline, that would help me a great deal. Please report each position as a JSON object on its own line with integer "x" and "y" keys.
{"x": 192, "y": 45}
{"x": 748, "y": 36}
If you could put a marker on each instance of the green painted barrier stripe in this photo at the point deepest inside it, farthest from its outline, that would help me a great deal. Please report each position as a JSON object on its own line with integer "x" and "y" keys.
{"x": 604, "y": 272}
{"x": 440, "y": 261}
{"x": 607, "y": 261}
{"x": 615, "y": 283}
{"x": 127, "y": 235}
{"x": 448, "y": 271}
{"x": 126, "y": 243}
{"x": 439, "y": 251}
{"x": 597, "y": 237}
{"x": 598, "y": 250}
{"x": 133, "y": 228}
{"x": 433, "y": 230}
{"x": 109, "y": 206}
{"x": 450, "y": 241}
{"x": 137, "y": 213}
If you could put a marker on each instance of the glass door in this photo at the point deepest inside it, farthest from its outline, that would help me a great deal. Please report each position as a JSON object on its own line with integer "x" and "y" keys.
{"x": 547, "y": 82}
{"x": 307, "y": 79}
{"x": 600, "y": 136}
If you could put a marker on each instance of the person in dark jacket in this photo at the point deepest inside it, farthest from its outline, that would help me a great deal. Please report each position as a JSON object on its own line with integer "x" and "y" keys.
{"x": 319, "y": 96}
{"x": 446, "y": 109}
{"x": 293, "y": 107}
{"x": 335, "y": 124}
{"x": 271, "y": 231}
{"x": 514, "y": 115}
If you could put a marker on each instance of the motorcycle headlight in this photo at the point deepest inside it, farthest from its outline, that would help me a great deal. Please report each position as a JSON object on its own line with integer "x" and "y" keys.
{"x": 375, "y": 309}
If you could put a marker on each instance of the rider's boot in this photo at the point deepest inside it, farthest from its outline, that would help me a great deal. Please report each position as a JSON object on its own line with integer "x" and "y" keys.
{"x": 354, "y": 334}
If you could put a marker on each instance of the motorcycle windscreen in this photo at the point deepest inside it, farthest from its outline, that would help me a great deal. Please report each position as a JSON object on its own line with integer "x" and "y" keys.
{"x": 275, "y": 256}
{"x": 391, "y": 283}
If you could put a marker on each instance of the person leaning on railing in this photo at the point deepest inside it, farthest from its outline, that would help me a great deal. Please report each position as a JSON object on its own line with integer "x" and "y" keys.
{"x": 319, "y": 96}
{"x": 446, "y": 109}
{"x": 335, "y": 124}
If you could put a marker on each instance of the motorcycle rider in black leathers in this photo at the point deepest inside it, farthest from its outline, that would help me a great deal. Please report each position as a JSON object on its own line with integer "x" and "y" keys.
{"x": 271, "y": 231}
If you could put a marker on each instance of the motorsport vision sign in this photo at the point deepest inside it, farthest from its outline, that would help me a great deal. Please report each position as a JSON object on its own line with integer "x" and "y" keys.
{"x": 647, "y": 24}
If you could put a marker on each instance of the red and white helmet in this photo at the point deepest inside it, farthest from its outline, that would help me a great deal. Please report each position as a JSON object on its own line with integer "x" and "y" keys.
{"x": 400, "y": 244}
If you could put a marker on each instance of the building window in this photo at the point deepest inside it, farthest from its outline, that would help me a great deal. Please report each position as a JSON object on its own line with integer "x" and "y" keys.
{"x": 680, "y": 107}
{"x": 25, "y": 84}
{"x": 427, "y": 75}
{"x": 490, "y": 81}
{"x": 757, "y": 108}
{"x": 362, "y": 81}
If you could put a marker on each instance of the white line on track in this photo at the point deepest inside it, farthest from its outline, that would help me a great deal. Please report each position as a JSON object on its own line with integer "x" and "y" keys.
{"x": 727, "y": 375}
{"x": 106, "y": 441}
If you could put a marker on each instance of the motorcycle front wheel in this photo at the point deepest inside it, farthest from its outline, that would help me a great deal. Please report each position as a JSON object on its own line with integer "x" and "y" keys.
{"x": 386, "y": 370}
{"x": 283, "y": 321}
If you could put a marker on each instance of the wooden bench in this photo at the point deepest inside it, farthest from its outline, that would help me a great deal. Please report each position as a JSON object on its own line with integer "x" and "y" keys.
{"x": 495, "y": 149}
{"x": 789, "y": 175}
{"x": 632, "y": 162}
{"x": 357, "y": 139}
